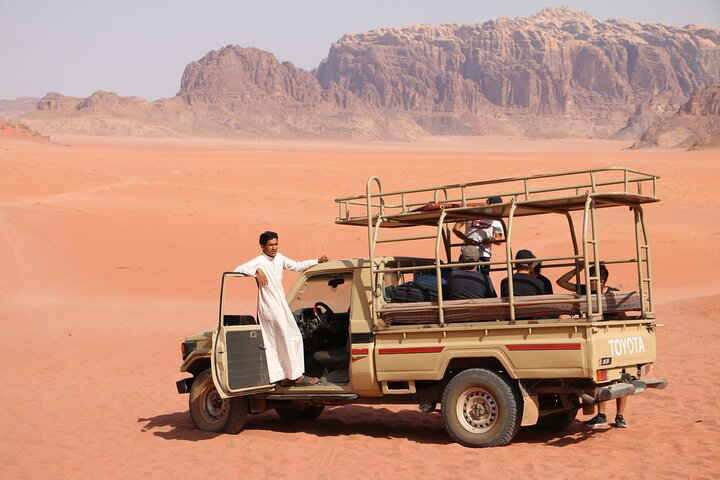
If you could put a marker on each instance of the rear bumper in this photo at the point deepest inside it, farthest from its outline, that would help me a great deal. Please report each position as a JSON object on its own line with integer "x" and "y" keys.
{"x": 619, "y": 390}
{"x": 184, "y": 385}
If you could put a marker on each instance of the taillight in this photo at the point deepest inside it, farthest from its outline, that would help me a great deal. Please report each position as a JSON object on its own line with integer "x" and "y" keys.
{"x": 601, "y": 376}
{"x": 645, "y": 370}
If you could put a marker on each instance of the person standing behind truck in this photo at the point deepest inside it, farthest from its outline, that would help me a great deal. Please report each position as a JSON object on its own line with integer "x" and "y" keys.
{"x": 482, "y": 233}
{"x": 599, "y": 420}
{"x": 283, "y": 340}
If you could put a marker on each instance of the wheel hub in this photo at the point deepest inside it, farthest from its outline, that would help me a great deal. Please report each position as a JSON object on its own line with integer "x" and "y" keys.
{"x": 477, "y": 410}
{"x": 214, "y": 406}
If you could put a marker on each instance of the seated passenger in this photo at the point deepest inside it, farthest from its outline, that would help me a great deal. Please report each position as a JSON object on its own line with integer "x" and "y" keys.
{"x": 535, "y": 272}
{"x": 523, "y": 282}
{"x": 564, "y": 281}
{"x": 467, "y": 282}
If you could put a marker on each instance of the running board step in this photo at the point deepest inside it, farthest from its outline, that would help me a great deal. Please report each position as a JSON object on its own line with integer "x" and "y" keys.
{"x": 312, "y": 396}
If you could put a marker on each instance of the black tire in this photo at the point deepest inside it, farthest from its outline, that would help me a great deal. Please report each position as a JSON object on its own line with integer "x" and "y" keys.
{"x": 556, "y": 422}
{"x": 239, "y": 408}
{"x": 305, "y": 412}
{"x": 481, "y": 408}
{"x": 212, "y": 413}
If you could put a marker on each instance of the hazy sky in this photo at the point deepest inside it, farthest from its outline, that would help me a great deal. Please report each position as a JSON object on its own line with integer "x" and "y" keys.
{"x": 141, "y": 48}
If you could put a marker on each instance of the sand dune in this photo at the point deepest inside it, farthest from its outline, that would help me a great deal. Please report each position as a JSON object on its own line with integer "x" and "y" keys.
{"x": 111, "y": 251}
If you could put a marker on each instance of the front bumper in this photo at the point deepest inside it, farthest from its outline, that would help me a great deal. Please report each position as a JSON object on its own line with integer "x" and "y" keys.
{"x": 184, "y": 385}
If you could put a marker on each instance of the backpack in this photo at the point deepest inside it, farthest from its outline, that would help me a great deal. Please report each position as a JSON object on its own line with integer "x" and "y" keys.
{"x": 415, "y": 292}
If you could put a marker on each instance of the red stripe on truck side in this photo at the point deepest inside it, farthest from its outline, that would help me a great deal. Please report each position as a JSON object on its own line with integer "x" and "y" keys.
{"x": 395, "y": 351}
{"x": 544, "y": 346}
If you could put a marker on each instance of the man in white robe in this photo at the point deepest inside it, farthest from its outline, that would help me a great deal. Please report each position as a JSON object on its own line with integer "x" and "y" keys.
{"x": 282, "y": 337}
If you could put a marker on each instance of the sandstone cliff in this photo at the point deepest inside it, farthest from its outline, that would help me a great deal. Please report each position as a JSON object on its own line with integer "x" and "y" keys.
{"x": 557, "y": 73}
{"x": 696, "y": 125}
{"x": 558, "y": 63}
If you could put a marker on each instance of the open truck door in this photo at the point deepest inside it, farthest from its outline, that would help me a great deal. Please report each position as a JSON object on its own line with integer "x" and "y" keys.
{"x": 239, "y": 365}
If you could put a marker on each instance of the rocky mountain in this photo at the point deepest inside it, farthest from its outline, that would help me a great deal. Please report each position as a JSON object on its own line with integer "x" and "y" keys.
{"x": 106, "y": 113}
{"x": 10, "y": 109}
{"x": 696, "y": 125}
{"x": 557, "y": 73}
{"x": 558, "y": 63}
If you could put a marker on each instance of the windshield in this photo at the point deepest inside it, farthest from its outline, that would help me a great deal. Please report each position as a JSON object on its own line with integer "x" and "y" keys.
{"x": 333, "y": 289}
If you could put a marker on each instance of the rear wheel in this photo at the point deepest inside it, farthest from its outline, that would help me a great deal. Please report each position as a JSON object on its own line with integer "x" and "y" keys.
{"x": 212, "y": 413}
{"x": 304, "y": 412}
{"x": 481, "y": 408}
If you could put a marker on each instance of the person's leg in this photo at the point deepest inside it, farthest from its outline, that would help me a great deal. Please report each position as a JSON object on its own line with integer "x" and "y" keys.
{"x": 599, "y": 420}
{"x": 621, "y": 405}
{"x": 619, "y": 418}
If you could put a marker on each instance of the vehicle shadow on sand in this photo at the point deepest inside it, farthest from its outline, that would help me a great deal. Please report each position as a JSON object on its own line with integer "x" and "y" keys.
{"x": 376, "y": 422}
{"x": 575, "y": 433}
{"x": 370, "y": 421}
{"x": 181, "y": 427}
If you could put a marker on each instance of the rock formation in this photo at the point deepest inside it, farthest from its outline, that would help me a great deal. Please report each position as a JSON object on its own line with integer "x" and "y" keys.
{"x": 558, "y": 63}
{"x": 10, "y": 109}
{"x": 106, "y": 113}
{"x": 14, "y": 131}
{"x": 696, "y": 125}
{"x": 557, "y": 73}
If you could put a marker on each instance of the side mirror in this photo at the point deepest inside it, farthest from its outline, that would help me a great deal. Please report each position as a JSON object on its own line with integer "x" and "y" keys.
{"x": 334, "y": 282}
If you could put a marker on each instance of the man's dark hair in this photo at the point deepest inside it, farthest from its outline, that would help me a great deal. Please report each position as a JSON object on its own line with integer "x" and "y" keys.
{"x": 604, "y": 274}
{"x": 265, "y": 237}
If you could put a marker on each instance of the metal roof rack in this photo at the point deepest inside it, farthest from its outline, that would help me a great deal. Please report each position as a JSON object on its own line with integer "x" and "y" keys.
{"x": 560, "y": 193}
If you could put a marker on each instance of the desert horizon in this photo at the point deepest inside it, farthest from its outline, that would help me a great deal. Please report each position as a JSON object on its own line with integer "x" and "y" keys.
{"x": 113, "y": 250}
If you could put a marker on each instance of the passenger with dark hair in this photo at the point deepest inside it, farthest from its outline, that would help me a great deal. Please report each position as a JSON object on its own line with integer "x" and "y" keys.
{"x": 283, "y": 340}
{"x": 468, "y": 282}
{"x": 564, "y": 280}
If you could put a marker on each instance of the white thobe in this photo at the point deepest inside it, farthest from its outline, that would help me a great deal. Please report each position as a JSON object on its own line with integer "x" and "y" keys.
{"x": 282, "y": 337}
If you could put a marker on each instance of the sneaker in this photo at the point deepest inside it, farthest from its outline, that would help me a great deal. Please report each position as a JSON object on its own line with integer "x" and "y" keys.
{"x": 598, "y": 421}
{"x": 620, "y": 422}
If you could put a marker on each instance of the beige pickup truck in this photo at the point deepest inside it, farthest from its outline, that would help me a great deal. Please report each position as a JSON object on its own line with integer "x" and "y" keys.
{"x": 488, "y": 365}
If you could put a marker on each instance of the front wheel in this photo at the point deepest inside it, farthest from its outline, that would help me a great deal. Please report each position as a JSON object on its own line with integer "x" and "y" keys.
{"x": 481, "y": 408}
{"x": 212, "y": 413}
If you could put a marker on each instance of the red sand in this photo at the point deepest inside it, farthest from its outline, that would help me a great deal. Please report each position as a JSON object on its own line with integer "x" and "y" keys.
{"x": 111, "y": 251}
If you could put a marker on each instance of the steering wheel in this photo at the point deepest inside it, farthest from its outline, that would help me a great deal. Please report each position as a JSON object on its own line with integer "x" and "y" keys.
{"x": 326, "y": 316}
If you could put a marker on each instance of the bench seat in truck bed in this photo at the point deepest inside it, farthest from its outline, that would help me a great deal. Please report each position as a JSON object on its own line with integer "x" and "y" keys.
{"x": 494, "y": 309}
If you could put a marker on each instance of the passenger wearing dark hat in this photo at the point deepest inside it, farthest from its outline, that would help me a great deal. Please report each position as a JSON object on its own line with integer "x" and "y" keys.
{"x": 523, "y": 282}
{"x": 482, "y": 233}
{"x": 467, "y": 282}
